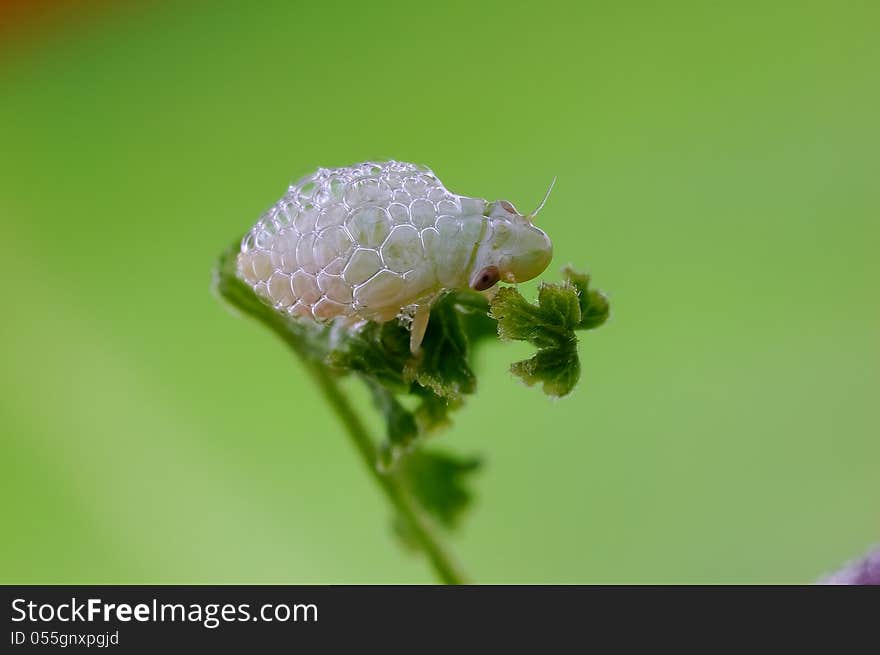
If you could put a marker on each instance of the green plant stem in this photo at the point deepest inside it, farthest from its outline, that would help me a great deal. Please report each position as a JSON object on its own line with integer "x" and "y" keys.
{"x": 441, "y": 560}
{"x": 242, "y": 299}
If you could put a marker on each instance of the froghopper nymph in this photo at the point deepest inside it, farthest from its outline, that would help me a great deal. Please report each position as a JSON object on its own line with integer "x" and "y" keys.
{"x": 380, "y": 240}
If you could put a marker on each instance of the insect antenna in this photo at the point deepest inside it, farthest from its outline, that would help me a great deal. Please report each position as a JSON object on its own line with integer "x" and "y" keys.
{"x": 531, "y": 216}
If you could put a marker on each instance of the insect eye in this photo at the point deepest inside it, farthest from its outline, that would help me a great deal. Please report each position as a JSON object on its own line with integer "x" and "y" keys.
{"x": 486, "y": 278}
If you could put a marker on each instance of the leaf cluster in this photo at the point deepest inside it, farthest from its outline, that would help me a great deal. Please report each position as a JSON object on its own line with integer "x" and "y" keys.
{"x": 416, "y": 395}
{"x": 550, "y": 325}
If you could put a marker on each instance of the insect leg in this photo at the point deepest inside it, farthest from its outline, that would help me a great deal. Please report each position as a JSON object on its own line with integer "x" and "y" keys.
{"x": 418, "y": 327}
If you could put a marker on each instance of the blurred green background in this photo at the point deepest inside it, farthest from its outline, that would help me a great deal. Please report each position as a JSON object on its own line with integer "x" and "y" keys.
{"x": 718, "y": 175}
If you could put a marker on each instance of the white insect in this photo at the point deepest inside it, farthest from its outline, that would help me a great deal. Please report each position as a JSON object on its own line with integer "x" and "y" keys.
{"x": 376, "y": 241}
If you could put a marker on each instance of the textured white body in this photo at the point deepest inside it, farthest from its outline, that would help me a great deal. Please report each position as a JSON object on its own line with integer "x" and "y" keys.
{"x": 363, "y": 242}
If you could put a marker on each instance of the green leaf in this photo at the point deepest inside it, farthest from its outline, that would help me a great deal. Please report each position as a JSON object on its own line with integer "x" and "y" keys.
{"x": 443, "y": 365}
{"x": 401, "y": 428}
{"x": 557, "y": 369}
{"x": 550, "y": 326}
{"x": 377, "y": 351}
{"x": 438, "y": 377}
{"x": 439, "y": 482}
{"x": 416, "y": 396}
{"x": 559, "y": 307}
{"x": 432, "y": 412}
{"x": 473, "y": 312}
{"x": 381, "y": 351}
{"x": 405, "y": 428}
{"x": 593, "y": 303}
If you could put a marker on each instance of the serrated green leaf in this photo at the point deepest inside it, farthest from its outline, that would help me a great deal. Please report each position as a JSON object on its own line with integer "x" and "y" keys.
{"x": 473, "y": 312}
{"x": 556, "y": 369}
{"x": 401, "y": 429}
{"x": 439, "y": 482}
{"x": 381, "y": 351}
{"x": 440, "y": 376}
{"x": 594, "y": 305}
{"x": 378, "y": 352}
{"x": 599, "y": 309}
{"x": 443, "y": 365}
{"x": 550, "y": 326}
{"x": 404, "y": 427}
{"x": 432, "y": 413}
{"x": 518, "y": 319}
{"x": 559, "y": 306}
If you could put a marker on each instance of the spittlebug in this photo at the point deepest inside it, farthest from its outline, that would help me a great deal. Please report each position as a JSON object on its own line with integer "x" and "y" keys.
{"x": 380, "y": 240}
